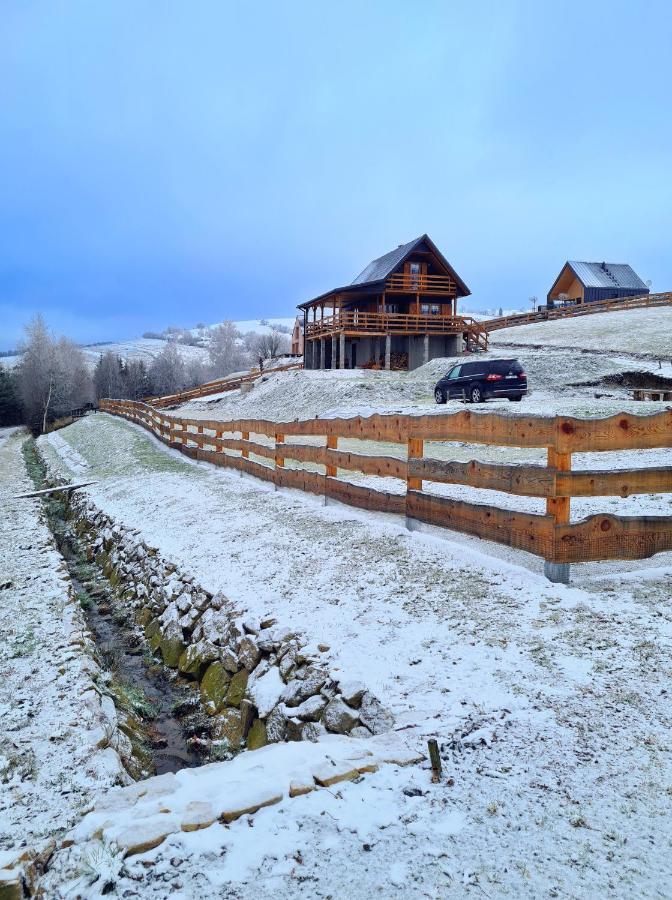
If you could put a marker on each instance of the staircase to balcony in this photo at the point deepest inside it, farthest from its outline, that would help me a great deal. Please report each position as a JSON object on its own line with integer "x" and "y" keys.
{"x": 475, "y": 336}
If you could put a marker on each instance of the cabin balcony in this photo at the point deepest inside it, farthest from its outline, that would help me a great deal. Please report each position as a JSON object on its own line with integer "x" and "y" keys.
{"x": 353, "y": 323}
{"x": 420, "y": 283}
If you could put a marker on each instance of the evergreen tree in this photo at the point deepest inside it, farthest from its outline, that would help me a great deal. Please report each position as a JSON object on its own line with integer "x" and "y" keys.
{"x": 10, "y": 403}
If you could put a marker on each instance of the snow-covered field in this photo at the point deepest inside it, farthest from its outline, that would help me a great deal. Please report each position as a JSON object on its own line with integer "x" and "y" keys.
{"x": 550, "y": 702}
{"x": 637, "y": 331}
{"x": 145, "y": 349}
{"x": 553, "y": 376}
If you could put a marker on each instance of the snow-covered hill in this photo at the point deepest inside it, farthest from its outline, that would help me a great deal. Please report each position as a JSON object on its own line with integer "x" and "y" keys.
{"x": 147, "y": 349}
{"x": 637, "y": 331}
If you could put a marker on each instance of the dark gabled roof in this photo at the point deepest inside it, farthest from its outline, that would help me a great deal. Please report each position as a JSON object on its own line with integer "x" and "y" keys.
{"x": 605, "y": 275}
{"x": 381, "y": 268}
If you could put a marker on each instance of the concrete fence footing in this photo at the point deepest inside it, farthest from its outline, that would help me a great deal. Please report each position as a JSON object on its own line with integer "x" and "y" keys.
{"x": 557, "y": 572}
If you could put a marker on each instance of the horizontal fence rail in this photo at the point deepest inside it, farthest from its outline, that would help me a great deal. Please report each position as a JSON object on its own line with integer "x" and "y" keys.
{"x": 581, "y": 309}
{"x": 550, "y": 535}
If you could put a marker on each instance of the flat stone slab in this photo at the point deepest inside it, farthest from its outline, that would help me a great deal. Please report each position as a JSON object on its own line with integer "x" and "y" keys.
{"x": 248, "y": 801}
{"x": 198, "y": 814}
{"x": 140, "y": 817}
{"x": 145, "y": 835}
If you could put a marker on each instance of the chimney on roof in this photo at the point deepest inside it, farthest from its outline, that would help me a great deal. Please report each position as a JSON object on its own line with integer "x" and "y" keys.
{"x": 604, "y": 266}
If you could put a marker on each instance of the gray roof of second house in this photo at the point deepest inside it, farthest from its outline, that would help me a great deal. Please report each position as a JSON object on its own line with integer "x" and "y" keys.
{"x": 607, "y": 275}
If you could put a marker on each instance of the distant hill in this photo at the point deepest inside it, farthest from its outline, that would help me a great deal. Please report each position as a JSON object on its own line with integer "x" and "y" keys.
{"x": 147, "y": 348}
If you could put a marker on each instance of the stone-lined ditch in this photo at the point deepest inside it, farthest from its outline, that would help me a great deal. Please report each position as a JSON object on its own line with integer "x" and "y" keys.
{"x": 158, "y": 718}
{"x": 194, "y": 679}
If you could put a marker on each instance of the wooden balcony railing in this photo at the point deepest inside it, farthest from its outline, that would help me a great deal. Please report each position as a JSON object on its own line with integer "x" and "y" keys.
{"x": 354, "y": 322}
{"x": 410, "y": 283}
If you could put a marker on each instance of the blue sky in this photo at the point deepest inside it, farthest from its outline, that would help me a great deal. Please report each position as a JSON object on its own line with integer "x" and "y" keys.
{"x": 170, "y": 163}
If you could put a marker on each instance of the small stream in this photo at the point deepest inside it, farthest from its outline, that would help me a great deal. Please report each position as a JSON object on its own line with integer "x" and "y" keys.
{"x": 169, "y": 729}
{"x": 162, "y": 698}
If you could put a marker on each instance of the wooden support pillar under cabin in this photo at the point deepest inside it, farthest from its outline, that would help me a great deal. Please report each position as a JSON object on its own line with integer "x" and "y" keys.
{"x": 559, "y": 508}
{"x": 388, "y": 351}
{"x": 321, "y": 353}
{"x": 333, "y": 351}
{"x": 376, "y": 349}
{"x": 312, "y": 354}
{"x": 425, "y": 353}
{"x": 341, "y": 356}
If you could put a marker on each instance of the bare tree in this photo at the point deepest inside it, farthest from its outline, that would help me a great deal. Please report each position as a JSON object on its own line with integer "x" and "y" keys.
{"x": 167, "y": 371}
{"x": 53, "y": 376}
{"x": 269, "y": 345}
{"x": 226, "y": 350}
{"x": 196, "y": 371}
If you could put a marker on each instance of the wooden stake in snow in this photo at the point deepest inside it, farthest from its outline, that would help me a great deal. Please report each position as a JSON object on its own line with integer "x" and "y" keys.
{"x": 435, "y": 760}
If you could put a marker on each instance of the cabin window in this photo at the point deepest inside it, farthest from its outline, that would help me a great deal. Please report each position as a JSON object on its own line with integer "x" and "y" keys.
{"x": 414, "y": 270}
{"x": 391, "y": 308}
{"x": 430, "y": 309}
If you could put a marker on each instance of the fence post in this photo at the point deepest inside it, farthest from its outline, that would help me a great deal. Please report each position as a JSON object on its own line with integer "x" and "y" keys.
{"x": 559, "y": 508}
{"x": 332, "y": 444}
{"x": 416, "y": 449}
{"x": 245, "y": 453}
{"x": 279, "y": 459}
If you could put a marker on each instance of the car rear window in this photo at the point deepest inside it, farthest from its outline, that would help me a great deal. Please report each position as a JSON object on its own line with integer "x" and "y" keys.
{"x": 506, "y": 367}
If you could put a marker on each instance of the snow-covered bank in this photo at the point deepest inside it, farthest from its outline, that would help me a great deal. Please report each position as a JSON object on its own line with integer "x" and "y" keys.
{"x": 550, "y": 702}
{"x": 136, "y": 819}
{"x": 553, "y": 376}
{"x": 639, "y": 331}
{"x": 54, "y": 758}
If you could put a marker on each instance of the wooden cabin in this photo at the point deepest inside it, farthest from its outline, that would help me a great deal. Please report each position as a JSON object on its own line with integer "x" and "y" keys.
{"x": 587, "y": 282}
{"x": 399, "y": 312}
{"x": 297, "y": 337}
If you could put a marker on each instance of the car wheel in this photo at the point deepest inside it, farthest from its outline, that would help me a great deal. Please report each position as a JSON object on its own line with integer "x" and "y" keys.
{"x": 440, "y": 396}
{"x": 515, "y": 399}
{"x": 476, "y": 394}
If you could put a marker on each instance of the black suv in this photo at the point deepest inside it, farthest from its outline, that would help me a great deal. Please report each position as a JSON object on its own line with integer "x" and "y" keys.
{"x": 476, "y": 381}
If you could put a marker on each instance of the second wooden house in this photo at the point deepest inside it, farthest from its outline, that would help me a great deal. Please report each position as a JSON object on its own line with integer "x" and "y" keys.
{"x": 399, "y": 312}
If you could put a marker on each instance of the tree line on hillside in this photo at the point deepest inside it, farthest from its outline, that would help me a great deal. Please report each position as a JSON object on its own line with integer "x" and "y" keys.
{"x": 53, "y": 377}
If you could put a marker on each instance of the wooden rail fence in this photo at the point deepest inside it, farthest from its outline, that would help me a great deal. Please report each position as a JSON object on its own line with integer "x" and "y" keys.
{"x": 550, "y": 535}
{"x": 581, "y": 309}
